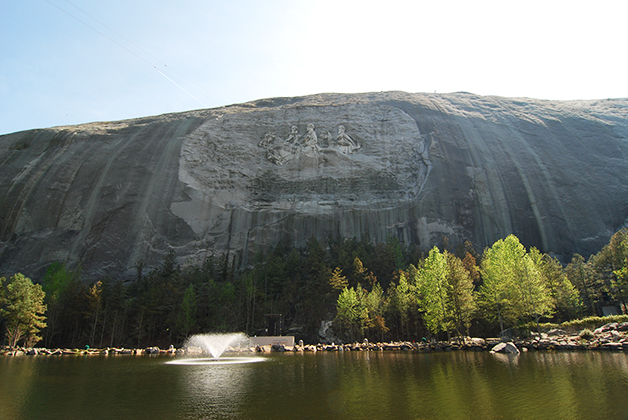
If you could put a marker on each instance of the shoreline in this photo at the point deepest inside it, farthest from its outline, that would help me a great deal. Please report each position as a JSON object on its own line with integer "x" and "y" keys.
{"x": 610, "y": 337}
{"x": 401, "y": 346}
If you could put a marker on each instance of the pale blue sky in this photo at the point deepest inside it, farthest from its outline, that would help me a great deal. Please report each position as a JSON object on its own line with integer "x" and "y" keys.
{"x": 57, "y": 69}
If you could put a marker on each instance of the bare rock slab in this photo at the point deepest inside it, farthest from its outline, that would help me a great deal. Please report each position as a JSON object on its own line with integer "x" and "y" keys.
{"x": 418, "y": 167}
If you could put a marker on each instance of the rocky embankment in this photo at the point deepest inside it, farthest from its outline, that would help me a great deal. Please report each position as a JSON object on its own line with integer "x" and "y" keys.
{"x": 38, "y": 351}
{"x": 610, "y": 337}
{"x": 613, "y": 336}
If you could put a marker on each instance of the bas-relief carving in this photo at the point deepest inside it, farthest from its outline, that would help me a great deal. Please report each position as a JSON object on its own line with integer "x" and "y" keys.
{"x": 294, "y": 145}
{"x": 281, "y": 152}
{"x": 344, "y": 143}
{"x": 353, "y": 157}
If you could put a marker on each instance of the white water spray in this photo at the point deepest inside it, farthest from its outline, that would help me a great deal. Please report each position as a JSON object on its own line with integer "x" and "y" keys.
{"x": 216, "y": 344}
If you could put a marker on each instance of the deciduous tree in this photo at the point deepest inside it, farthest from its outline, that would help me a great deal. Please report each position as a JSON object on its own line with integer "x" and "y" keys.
{"x": 349, "y": 311}
{"x": 512, "y": 288}
{"x": 433, "y": 293}
{"x": 565, "y": 297}
{"x": 460, "y": 290}
{"x": 375, "y": 304}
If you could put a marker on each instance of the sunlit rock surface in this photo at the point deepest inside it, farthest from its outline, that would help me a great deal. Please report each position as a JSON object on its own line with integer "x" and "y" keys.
{"x": 419, "y": 167}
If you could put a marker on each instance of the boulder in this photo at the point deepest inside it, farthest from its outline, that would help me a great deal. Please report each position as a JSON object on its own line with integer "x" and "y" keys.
{"x": 507, "y": 348}
{"x": 611, "y": 326}
{"x": 476, "y": 341}
{"x": 612, "y": 346}
{"x": 277, "y": 348}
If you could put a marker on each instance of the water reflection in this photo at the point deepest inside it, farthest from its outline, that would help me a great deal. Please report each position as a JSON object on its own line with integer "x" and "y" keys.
{"x": 16, "y": 381}
{"x": 583, "y": 385}
{"x": 213, "y": 389}
{"x": 211, "y": 361}
{"x": 460, "y": 385}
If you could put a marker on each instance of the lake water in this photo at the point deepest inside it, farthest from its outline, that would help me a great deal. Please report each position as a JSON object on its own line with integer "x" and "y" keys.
{"x": 356, "y": 385}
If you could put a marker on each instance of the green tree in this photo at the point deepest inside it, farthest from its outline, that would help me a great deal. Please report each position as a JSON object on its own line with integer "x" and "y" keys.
{"x": 117, "y": 304}
{"x": 375, "y": 304}
{"x": 512, "y": 288}
{"x": 57, "y": 282}
{"x": 402, "y": 301}
{"x": 606, "y": 270}
{"x": 565, "y": 297}
{"x": 534, "y": 300}
{"x": 432, "y": 287}
{"x": 460, "y": 293}
{"x": 22, "y": 307}
{"x": 500, "y": 272}
{"x": 349, "y": 311}
{"x": 187, "y": 314}
{"x": 619, "y": 249}
{"x": 579, "y": 274}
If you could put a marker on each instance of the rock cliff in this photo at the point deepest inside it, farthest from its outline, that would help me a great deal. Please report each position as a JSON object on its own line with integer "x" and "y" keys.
{"x": 419, "y": 167}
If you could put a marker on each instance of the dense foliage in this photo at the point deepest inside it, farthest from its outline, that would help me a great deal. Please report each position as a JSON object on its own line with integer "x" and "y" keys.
{"x": 379, "y": 291}
{"x": 22, "y": 309}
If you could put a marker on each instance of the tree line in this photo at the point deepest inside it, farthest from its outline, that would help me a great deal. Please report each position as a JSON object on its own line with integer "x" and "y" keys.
{"x": 385, "y": 291}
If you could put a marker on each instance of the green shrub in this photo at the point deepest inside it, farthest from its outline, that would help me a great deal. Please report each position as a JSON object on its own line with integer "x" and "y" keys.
{"x": 593, "y": 322}
{"x": 586, "y": 334}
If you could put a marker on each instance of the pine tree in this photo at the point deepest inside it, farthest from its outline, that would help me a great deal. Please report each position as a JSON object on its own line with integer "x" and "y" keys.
{"x": 470, "y": 264}
{"x": 187, "y": 314}
{"x": 337, "y": 280}
{"x": 22, "y": 306}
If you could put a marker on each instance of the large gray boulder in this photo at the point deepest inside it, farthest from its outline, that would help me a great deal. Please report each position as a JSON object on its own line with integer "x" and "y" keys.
{"x": 419, "y": 167}
{"x": 507, "y": 348}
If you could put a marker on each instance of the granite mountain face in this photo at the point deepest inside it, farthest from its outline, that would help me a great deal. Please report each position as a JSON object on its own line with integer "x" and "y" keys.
{"x": 418, "y": 167}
